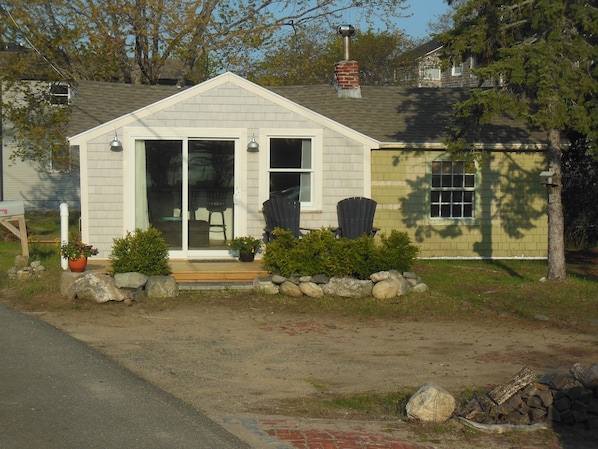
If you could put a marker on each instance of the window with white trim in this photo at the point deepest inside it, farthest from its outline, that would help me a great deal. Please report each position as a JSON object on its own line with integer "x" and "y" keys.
{"x": 453, "y": 190}
{"x": 432, "y": 73}
{"x": 60, "y": 93}
{"x": 457, "y": 70}
{"x": 291, "y": 168}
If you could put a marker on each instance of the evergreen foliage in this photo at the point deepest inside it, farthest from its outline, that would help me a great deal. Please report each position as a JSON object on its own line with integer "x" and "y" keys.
{"x": 321, "y": 252}
{"x": 542, "y": 57}
{"x": 142, "y": 251}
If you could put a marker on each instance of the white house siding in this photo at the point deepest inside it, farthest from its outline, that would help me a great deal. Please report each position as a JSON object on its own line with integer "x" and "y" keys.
{"x": 37, "y": 189}
{"x": 344, "y": 163}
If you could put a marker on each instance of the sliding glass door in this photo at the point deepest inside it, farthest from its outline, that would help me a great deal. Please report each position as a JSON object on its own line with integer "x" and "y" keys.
{"x": 184, "y": 188}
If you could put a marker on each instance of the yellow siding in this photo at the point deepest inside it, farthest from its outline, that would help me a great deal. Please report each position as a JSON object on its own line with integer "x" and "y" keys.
{"x": 510, "y": 218}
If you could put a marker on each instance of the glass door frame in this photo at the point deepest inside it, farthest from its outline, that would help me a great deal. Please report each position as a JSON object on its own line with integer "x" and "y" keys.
{"x": 237, "y": 136}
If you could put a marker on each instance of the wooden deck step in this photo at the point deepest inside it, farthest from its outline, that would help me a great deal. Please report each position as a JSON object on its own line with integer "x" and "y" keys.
{"x": 203, "y": 271}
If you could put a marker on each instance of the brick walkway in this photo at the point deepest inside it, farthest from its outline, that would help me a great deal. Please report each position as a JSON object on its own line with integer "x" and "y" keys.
{"x": 328, "y": 439}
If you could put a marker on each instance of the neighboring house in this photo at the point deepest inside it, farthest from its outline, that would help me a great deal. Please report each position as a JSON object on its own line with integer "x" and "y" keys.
{"x": 46, "y": 187}
{"x": 316, "y": 143}
{"x": 39, "y": 187}
{"x": 422, "y": 68}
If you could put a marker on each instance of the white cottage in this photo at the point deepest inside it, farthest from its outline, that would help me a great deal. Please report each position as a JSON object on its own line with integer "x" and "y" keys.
{"x": 182, "y": 152}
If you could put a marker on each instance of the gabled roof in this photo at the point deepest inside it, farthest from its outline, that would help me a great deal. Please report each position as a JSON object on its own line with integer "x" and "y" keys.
{"x": 98, "y": 102}
{"x": 390, "y": 115}
{"x": 403, "y": 116}
{"x": 422, "y": 50}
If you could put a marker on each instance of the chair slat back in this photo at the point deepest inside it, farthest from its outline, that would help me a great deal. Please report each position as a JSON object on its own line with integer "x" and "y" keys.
{"x": 284, "y": 213}
{"x": 356, "y": 217}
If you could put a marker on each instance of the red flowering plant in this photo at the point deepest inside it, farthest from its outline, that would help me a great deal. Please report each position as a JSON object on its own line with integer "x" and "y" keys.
{"x": 76, "y": 250}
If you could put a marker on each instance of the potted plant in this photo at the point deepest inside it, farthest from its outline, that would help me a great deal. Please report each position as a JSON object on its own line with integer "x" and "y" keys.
{"x": 247, "y": 247}
{"x": 77, "y": 253}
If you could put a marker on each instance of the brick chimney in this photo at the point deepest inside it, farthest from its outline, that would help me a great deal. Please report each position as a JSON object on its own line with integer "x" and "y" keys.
{"x": 346, "y": 72}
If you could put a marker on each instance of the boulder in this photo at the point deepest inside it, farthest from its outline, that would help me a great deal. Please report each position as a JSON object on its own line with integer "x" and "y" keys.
{"x": 348, "y": 288}
{"x": 161, "y": 287}
{"x": 311, "y": 289}
{"x": 95, "y": 287}
{"x": 67, "y": 279}
{"x": 130, "y": 280}
{"x": 419, "y": 288}
{"x": 431, "y": 403}
{"x": 21, "y": 261}
{"x": 289, "y": 288}
{"x": 386, "y": 289}
{"x": 266, "y": 287}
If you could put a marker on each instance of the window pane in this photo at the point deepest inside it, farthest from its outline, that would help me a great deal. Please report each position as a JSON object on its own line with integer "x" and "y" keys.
{"x": 435, "y": 197}
{"x": 436, "y": 165}
{"x": 435, "y": 181}
{"x": 435, "y": 210}
{"x": 305, "y": 188}
{"x": 469, "y": 180}
{"x": 290, "y": 153}
{"x": 446, "y": 197}
{"x": 467, "y": 211}
{"x": 285, "y": 184}
{"x": 447, "y": 181}
{"x": 445, "y": 210}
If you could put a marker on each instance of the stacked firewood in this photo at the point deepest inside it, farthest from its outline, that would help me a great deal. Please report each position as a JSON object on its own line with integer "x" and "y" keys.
{"x": 526, "y": 400}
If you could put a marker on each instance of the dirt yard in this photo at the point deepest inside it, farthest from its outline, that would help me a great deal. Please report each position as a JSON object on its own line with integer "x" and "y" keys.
{"x": 238, "y": 355}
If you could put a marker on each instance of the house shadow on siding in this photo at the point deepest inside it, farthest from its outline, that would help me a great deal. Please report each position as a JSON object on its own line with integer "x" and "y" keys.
{"x": 509, "y": 197}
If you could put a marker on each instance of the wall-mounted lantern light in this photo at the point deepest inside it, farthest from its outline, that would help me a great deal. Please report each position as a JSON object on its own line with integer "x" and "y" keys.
{"x": 116, "y": 144}
{"x": 253, "y": 146}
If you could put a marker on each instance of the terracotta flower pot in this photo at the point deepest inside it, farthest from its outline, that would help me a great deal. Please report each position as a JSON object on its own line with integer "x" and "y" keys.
{"x": 246, "y": 255}
{"x": 78, "y": 265}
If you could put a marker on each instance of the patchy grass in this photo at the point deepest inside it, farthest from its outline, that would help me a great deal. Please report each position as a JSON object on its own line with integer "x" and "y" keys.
{"x": 458, "y": 290}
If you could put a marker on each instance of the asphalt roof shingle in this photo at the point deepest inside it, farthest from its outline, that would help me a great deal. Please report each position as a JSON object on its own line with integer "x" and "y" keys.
{"x": 388, "y": 114}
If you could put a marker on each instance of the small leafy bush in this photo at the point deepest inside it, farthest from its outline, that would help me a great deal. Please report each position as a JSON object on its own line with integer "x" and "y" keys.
{"x": 143, "y": 251}
{"x": 321, "y": 252}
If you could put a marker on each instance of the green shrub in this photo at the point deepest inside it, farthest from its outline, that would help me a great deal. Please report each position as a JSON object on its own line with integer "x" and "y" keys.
{"x": 321, "y": 252}
{"x": 395, "y": 252}
{"x": 143, "y": 251}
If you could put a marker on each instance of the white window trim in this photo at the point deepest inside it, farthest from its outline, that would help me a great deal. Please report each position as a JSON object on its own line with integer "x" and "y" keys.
{"x": 454, "y": 71}
{"x": 316, "y": 136}
{"x": 437, "y": 73}
{"x": 132, "y": 134}
{"x": 68, "y": 94}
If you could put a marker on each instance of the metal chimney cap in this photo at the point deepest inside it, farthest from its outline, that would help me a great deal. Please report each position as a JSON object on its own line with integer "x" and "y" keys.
{"x": 346, "y": 30}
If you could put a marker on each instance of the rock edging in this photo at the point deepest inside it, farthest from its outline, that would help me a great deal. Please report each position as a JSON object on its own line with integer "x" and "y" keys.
{"x": 127, "y": 287}
{"x": 383, "y": 285}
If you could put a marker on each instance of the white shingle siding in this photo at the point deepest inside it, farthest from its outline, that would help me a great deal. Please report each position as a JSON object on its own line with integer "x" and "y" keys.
{"x": 228, "y": 106}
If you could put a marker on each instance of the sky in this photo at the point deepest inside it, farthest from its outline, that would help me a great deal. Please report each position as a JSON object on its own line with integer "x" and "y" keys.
{"x": 423, "y": 12}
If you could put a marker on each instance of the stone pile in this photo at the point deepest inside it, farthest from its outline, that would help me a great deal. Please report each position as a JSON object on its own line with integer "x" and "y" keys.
{"x": 22, "y": 269}
{"x": 383, "y": 285}
{"x": 127, "y": 287}
{"x": 563, "y": 398}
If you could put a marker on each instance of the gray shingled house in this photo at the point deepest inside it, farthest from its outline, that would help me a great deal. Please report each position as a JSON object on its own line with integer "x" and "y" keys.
{"x": 195, "y": 159}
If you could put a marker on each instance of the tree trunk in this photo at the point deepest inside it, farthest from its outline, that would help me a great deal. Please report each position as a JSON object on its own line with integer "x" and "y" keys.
{"x": 556, "y": 225}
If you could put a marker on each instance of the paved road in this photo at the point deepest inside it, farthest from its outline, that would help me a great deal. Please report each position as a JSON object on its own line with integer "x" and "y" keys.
{"x": 56, "y": 393}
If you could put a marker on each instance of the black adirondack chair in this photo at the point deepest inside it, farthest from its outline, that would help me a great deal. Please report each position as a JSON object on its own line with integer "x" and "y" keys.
{"x": 281, "y": 212}
{"x": 356, "y": 217}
